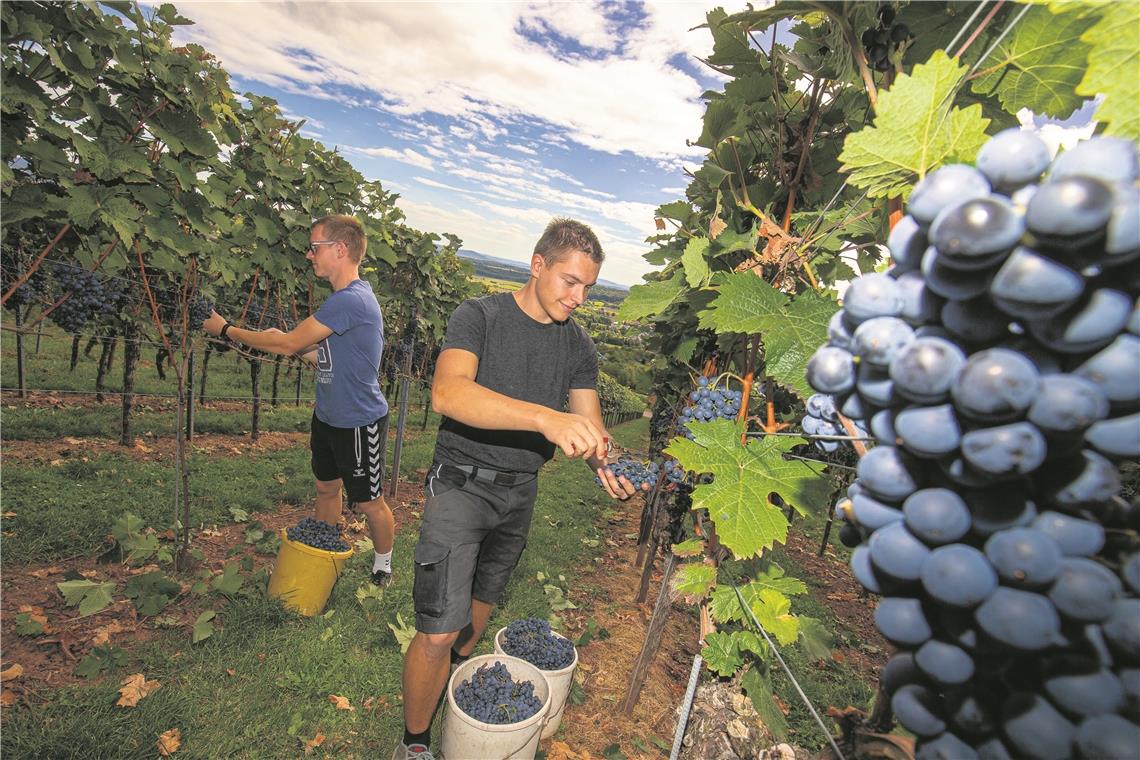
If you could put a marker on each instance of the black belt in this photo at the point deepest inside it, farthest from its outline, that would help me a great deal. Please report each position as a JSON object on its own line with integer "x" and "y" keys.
{"x": 481, "y": 473}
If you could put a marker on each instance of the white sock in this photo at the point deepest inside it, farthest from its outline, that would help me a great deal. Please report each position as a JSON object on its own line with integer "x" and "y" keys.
{"x": 382, "y": 562}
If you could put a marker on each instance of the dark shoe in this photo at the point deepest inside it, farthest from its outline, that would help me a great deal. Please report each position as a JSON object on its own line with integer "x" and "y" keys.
{"x": 382, "y": 579}
{"x": 414, "y": 752}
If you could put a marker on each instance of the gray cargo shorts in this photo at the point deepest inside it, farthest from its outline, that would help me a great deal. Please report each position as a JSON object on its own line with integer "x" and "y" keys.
{"x": 472, "y": 535}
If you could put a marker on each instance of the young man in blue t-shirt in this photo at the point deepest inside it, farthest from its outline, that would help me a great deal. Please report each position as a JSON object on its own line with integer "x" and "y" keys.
{"x": 344, "y": 340}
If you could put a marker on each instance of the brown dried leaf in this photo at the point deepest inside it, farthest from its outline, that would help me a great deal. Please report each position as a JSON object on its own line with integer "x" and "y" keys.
{"x": 231, "y": 672}
{"x": 341, "y": 703}
{"x": 280, "y": 478}
{"x": 89, "y": 574}
{"x": 368, "y": 703}
{"x": 144, "y": 449}
{"x": 11, "y": 672}
{"x": 716, "y": 226}
{"x": 74, "y": 441}
{"x": 45, "y": 572}
{"x": 103, "y": 635}
{"x": 169, "y": 742}
{"x": 7, "y": 514}
{"x": 313, "y": 743}
{"x": 136, "y": 687}
{"x": 659, "y": 223}
{"x": 7, "y": 698}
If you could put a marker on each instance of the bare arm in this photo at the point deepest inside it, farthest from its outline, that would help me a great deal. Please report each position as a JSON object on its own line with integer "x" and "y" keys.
{"x": 585, "y": 402}
{"x": 301, "y": 338}
{"x": 455, "y": 393}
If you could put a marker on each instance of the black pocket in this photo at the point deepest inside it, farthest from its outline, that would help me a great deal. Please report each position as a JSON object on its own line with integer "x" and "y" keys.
{"x": 430, "y": 590}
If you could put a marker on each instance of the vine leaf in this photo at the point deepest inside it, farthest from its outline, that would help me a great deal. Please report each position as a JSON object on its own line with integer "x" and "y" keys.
{"x": 695, "y": 262}
{"x": 815, "y": 639}
{"x": 759, "y": 689}
{"x": 89, "y": 596}
{"x": 721, "y": 654}
{"x": 690, "y": 548}
{"x": 1112, "y": 65}
{"x": 651, "y": 299}
{"x": 694, "y": 580}
{"x": 916, "y": 130}
{"x": 743, "y": 476}
{"x": 771, "y": 608}
{"x": 1040, "y": 64}
{"x": 790, "y": 329}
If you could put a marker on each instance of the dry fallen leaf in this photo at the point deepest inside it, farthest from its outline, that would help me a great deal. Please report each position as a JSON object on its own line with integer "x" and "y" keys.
{"x": 136, "y": 687}
{"x": 45, "y": 572}
{"x": 313, "y": 743}
{"x": 169, "y": 742}
{"x": 7, "y": 514}
{"x": 716, "y": 226}
{"x": 280, "y": 478}
{"x": 89, "y": 574}
{"x": 12, "y": 671}
{"x": 341, "y": 703}
{"x": 231, "y": 672}
{"x": 103, "y": 635}
{"x": 74, "y": 441}
{"x": 562, "y": 751}
{"x": 7, "y": 698}
{"x": 143, "y": 449}
{"x": 368, "y": 703}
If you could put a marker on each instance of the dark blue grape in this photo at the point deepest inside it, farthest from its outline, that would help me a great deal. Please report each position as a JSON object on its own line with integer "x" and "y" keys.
{"x": 879, "y": 339}
{"x": 831, "y": 370}
{"x": 944, "y": 187}
{"x": 1032, "y": 286}
{"x": 902, "y": 621}
{"x": 1114, "y": 370}
{"x": 1088, "y": 326}
{"x": 1013, "y": 158}
{"x": 1084, "y": 590}
{"x": 1014, "y": 449}
{"x": 1075, "y": 537}
{"x": 918, "y": 709}
{"x": 945, "y": 663}
{"x": 938, "y": 516}
{"x": 897, "y": 554}
{"x": 1035, "y": 729}
{"x": 921, "y": 305}
{"x": 925, "y": 370}
{"x": 976, "y": 234}
{"x": 958, "y": 576}
{"x": 1024, "y": 557}
{"x": 952, "y": 283}
{"x": 907, "y": 243}
{"x": 996, "y": 385}
{"x": 1021, "y": 620}
{"x": 888, "y": 473}
{"x": 1069, "y": 211}
{"x": 872, "y": 295}
{"x": 1110, "y": 159}
{"x": 1118, "y": 438}
{"x": 1108, "y": 737}
{"x": 1081, "y": 687}
{"x": 928, "y": 431}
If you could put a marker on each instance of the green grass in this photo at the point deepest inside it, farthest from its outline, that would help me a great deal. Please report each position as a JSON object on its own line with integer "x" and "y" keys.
{"x": 285, "y": 667}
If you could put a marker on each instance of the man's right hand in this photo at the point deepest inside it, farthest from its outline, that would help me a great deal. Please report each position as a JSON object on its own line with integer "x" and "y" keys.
{"x": 574, "y": 434}
{"x": 214, "y": 324}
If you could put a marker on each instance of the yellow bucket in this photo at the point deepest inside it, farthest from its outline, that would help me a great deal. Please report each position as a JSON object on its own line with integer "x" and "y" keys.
{"x": 303, "y": 576}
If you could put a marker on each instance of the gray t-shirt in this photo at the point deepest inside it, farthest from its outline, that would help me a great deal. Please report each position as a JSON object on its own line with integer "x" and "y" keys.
{"x": 520, "y": 358}
{"x": 348, "y": 361}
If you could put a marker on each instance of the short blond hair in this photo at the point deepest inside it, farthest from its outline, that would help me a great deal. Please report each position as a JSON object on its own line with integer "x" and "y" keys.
{"x": 345, "y": 229}
{"x": 562, "y": 236}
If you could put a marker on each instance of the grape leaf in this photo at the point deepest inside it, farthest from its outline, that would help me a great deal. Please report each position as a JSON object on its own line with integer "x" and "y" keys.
{"x": 721, "y": 654}
{"x": 791, "y": 331}
{"x": 91, "y": 597}
{"x": 759, "y": 689}
{"x": 230, "y": 581}
{"x": 917, "y": 129}
{"x": 651, "y": 299}
{"x": 815, "y": 639}
{"x": 775, "y": 579}
{"x": 1112, "y": 68}
{"x": 693, "y": 581}
{"x": 747, "y": 641}
{"x": 722, "y": 120}
{"x": 771, "y": 608}
{"x": 1039, "y": 65}
{"x": 743, "y": 476}
{"x": 30, "y": 624}
{"x": 204, "y": 626}
{"x": 694, "y": 261}
{"x": 690, "y": 548}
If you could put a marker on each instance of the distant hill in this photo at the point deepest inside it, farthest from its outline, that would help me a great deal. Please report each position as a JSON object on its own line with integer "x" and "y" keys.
{"x": 514, "y": 271}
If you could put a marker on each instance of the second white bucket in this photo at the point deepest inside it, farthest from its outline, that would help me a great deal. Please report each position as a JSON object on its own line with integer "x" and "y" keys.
{"x": 467, "y": 738}
{"x": 560, "y": 682}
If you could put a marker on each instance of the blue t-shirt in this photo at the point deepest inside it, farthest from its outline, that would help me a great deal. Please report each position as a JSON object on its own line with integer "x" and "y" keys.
{"x": 348, "y": 361}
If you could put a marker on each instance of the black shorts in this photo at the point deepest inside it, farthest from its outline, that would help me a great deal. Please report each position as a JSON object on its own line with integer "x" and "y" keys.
{"x": 352, "y": 455}
{"x": 472, "y": 535}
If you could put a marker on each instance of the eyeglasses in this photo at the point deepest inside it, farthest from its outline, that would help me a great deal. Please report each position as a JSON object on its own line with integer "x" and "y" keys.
{"x": 319, "y": 242}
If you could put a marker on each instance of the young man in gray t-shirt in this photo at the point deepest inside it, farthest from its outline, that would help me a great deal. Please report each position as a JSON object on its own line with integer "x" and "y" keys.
{"x": 510, "y": 364}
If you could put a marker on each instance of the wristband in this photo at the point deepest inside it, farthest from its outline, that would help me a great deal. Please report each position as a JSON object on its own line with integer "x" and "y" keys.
{"x": 225, "y": 327}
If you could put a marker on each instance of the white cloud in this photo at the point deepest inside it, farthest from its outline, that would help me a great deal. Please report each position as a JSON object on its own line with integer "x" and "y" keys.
{"x": 630, "y": 101}
{"x": 406, "y": 156}
{"x": 523, "y": 149}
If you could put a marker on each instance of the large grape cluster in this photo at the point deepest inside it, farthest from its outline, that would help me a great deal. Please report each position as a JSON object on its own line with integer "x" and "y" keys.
{"x": 168, "y": 308}
{"x": 532, "y": 640}
{"x": 998, "y": 365}
{"x": 32, "y": 291}
{"x": 674, "y": 472}
{"x": 490, "y": 695}
{"x": 89, "y": 296}
{"x": 639, "y": 473}
{"x": 881, "y": 39}
{"x": 707, "y": 403}
{"x": 317, "y": 534}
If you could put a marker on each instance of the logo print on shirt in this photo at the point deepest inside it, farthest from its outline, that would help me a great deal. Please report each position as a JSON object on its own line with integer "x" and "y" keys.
{"x": 324, "y": 356}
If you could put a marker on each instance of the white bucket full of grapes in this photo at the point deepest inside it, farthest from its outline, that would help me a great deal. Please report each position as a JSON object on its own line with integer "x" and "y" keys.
{"x": 496, "y": 705}
{"x": 554, "y": 654}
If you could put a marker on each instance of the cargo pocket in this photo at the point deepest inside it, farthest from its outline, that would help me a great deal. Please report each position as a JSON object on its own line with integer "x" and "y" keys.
{"x": 430, "y": 590}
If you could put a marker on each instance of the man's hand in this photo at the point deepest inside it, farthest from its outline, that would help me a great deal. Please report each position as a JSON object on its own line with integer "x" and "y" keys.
{"x": 214, "y": 324}
{"x": 617, "y": 488}
{"x": 574, "y": 434}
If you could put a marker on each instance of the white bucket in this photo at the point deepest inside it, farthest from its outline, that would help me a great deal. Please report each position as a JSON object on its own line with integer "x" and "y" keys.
{"x": 560, "y": 682}
{"x": 465, "y": 738}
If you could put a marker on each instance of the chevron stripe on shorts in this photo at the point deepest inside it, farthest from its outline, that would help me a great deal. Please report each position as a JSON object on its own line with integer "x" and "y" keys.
{"x": 375, "y": 464}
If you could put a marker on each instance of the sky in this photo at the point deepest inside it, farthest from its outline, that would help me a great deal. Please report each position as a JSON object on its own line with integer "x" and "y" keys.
{"x": 489, "y": 118}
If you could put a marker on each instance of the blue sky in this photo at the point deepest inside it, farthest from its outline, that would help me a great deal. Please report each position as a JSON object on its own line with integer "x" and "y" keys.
{"x": 489, "y": 118}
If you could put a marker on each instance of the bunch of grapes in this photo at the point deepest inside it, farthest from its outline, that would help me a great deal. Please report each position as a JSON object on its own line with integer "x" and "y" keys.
{"x": 490, "y": 695}
{"x": 168, "y": 307}
{"x": 31, "y": 291}
{"x": 90, "y": 297}
{"x": 674, "y": 472}
{"x": 532, "y": 640}
{"x": 998, "y": 363}
{"x": 821, "y": 418}
{"x": 880, "y": 40}
{"x": 707, "y": 403}
{"x": 638, "y": 473}
{"x": 317, "y": 534}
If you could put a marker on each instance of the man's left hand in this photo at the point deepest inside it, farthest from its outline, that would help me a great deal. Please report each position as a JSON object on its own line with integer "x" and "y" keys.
{"x": 214, "y": 324}
{"x": 617, "y": 488}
